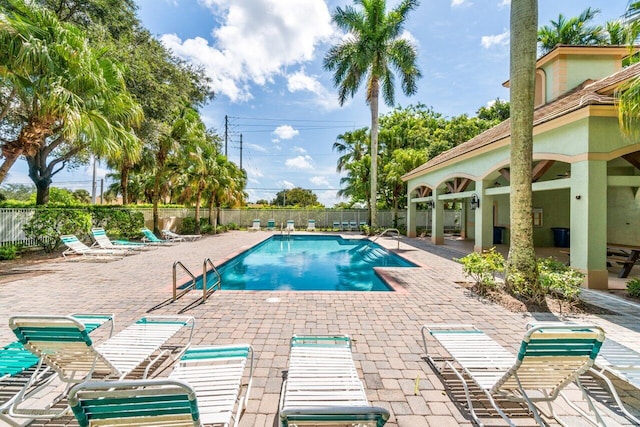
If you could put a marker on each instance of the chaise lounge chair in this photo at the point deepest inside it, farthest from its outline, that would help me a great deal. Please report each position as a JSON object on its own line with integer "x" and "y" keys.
{"x": 17, "y": 366}
{"x": 255, "y": 226}
{"x": 76, "y": 247}
{"x": 151, "y": 239}
{"x": 205, "y": 388}
{"x": 551, "y": 356}
{"x": 291, "y": 225}
{"x": 175, "y": 237}
{"x": 322, "y": 385}
{"x": 103, "y": 242}
{"x": 621, "y": 362}
{"x": 271, "y": 225}
{"x": 63, "y": 345}
{"x": 311, "y": 225}
{"x": 336, "y": 225}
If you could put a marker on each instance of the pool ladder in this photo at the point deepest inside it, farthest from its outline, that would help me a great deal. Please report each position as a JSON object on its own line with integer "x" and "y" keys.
{"x": 206, "y": 290}
{"x": 397, "y": 237}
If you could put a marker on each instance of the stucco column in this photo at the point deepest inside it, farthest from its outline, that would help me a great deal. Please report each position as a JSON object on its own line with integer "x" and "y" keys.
{"x": 484, "y": 219}
{"x": 437, "y": 219}
{"x": 411, "y": 216}
{"x": 588, "y": 235}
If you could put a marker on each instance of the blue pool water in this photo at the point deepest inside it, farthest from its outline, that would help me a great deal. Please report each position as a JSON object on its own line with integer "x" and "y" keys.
{"x": 309, "y": 263}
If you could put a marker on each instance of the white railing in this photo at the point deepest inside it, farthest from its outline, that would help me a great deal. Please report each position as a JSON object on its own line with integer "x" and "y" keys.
{"x": 12, "y": 220}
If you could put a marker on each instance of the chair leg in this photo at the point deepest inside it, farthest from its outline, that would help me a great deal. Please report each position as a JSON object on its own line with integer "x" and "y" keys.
{"x": 532, "y": 407}
{"x": 615, "y": 395}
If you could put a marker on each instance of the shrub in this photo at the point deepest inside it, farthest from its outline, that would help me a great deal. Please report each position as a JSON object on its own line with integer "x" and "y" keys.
{"x": 560, "y": 280}
{"x": 8, "y": 252}
{"x": 47, "y": 224}
{"x": 232, "y": 226}
{"x": 188, "y": 226}
{"x": 633, "y": 287}
{"x": 483, "y": 267}
{"x": 118, "y": 222}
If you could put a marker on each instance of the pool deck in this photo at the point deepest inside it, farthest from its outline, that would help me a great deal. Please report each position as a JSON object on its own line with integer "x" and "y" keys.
{"x": 385, "y": 326}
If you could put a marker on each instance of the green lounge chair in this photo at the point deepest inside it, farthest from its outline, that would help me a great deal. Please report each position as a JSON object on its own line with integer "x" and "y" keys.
{"x": 322, "y": 385}
{"x": 63, "y": 345}
{"x": 103, "y": 242}
{"x": 205, "y": 388}
{"x": 271, "y": 225}
{"x": 551, "y": 357}
{"x": 150, "y": 238}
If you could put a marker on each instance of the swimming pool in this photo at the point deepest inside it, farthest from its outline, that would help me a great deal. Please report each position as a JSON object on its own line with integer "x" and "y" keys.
{"x": 309, "y": 263}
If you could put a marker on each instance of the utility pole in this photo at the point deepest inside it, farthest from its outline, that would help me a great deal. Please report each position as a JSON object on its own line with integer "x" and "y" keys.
{"x": 240, "y": 151}
{"x": 226, "y": 134}
{"x": 101, "y": 191}
{"x": 93, "y": 183}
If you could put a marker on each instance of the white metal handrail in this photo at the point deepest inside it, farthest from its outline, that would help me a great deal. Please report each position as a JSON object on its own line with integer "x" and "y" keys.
{"x": 205, "y": 289}
{"x": 175, "y": 280}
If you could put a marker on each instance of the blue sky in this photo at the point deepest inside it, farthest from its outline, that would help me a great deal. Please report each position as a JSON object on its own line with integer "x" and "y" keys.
{"x": 265, "y": 60}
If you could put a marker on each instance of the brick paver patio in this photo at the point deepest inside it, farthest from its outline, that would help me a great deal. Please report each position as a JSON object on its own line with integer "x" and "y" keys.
{"x": 385, "y": 326}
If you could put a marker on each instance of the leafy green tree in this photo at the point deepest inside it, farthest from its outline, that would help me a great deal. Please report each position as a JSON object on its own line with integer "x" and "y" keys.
{"x": 227, "y": 189}
{"x": 372, "y": 51}
{"x": 521, "y": 264}
{"x": 17, "y": 191}
{"x": 628, "y": 95}
{"x": 572, "y": 31}
{"x": 496, "y": 113}
{"x": 402, "y": 162}
{"x": 67, "y": 98}
{"x": 82, "y": 196}
{"x": 297, "y": 196}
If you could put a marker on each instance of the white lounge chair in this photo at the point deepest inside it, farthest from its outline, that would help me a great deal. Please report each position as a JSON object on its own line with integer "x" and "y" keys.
{"x": 624, "y": 364}
{"x": 255, "y": 226}
{"x": 336, "y": 225}
{"x": 18, "y": 366}
{"x": 322, "y": 385}
{"x": 291, "y": 225}
{"x": 204, "y": 388}
{"x": 551, "y": 356}
{"x": 103, "y": 242}
{"x": 76, "y": 247}
{"x": 311, "y": 225}
{"x": 175, "y": 237}
{"x": 63, "y": 345}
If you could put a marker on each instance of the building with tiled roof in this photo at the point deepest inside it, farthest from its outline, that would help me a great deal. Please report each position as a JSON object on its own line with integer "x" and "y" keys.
{"x": 585, "y": 171}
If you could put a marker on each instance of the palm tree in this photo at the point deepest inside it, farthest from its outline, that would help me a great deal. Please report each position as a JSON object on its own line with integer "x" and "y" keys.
{"x": 521, "y": 262}
{"x": 628, "y": 95}
{"x": 64, "y": 97}
{"x": 373, "y": 48}
{"x": 572, "y": 31}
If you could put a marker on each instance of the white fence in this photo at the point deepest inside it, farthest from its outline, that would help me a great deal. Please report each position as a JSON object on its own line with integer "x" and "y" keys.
{"x": 12, "y": 219}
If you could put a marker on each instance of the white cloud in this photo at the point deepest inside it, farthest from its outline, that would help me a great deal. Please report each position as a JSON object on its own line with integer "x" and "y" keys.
{"x": 299, "y": 162}
{"x": 299, "y": 81}
{"x": 495, "y": 40}
{"x": 299, "y": 150}
{"x": 257, "y": 147}
{"x": 320, "y": 181}
{"x": 256, "y": 41}
{"x": 460, "y": 3}
{"x": 285, "y": 132}
{"x": 286, "y": 184}
{"x": 504, "y": 3}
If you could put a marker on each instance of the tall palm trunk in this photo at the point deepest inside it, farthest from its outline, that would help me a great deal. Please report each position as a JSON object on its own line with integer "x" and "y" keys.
{"x": 197, "y": 215}
{"x": 124, "y": 184}
{"x": 521, "y": 262}
{"x": 374, "y": 92}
